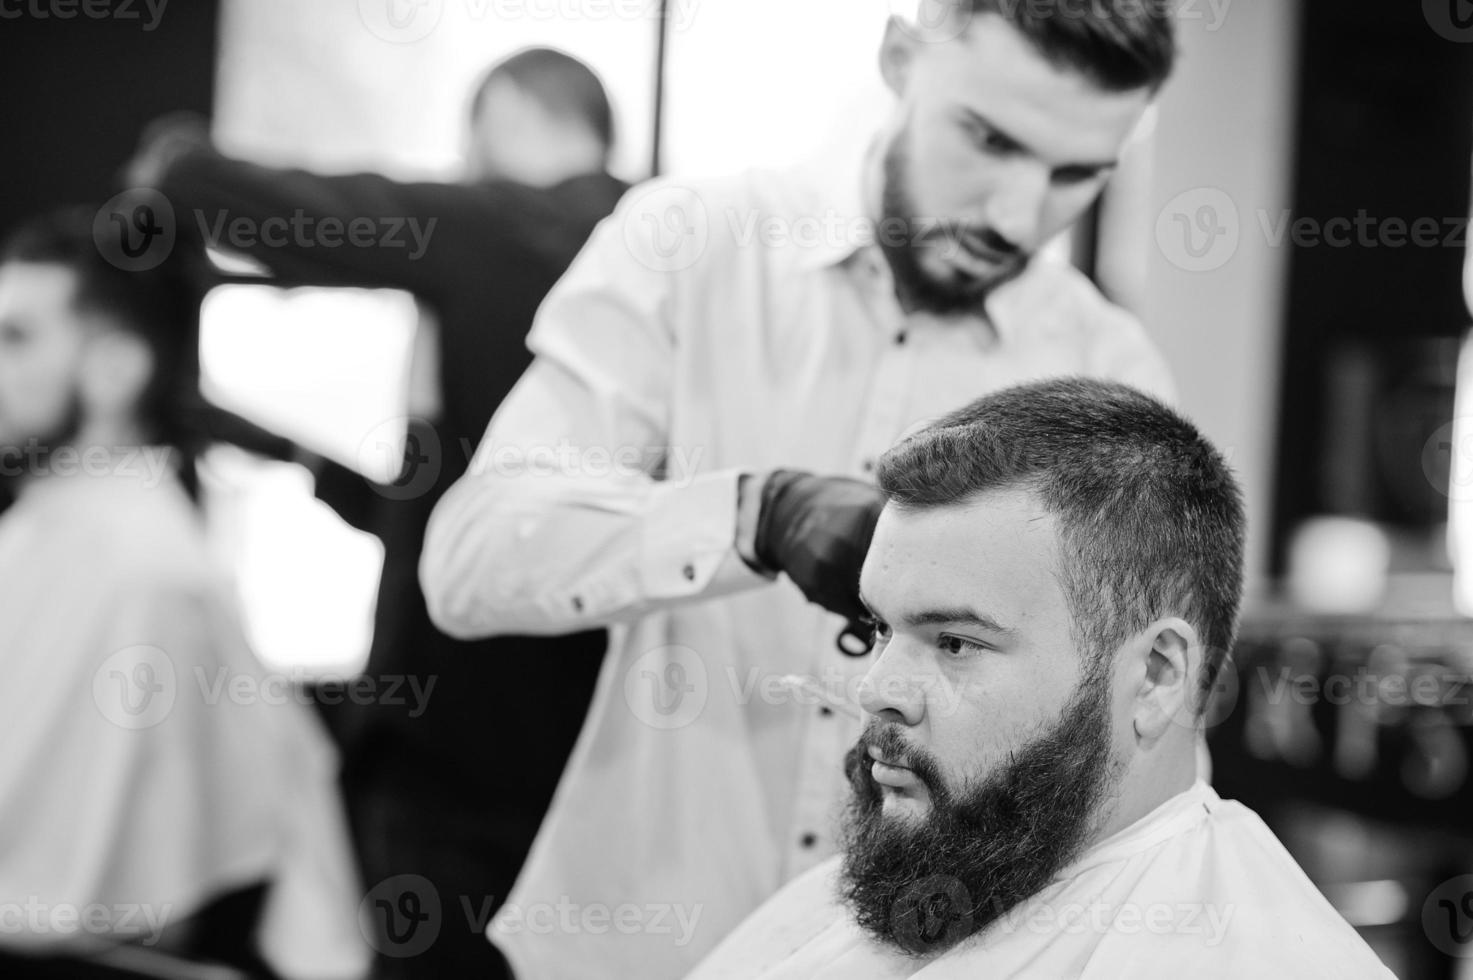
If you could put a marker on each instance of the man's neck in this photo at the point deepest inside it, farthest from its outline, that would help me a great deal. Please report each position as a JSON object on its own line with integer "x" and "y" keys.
{"x": 1149, "y": 783}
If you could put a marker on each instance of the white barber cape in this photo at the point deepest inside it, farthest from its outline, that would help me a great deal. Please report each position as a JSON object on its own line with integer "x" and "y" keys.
{"x": 150, "y": 764}
{"x": 1198, "y": 888}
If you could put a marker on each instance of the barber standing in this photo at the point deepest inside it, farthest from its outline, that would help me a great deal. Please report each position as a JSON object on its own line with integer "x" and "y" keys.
{"x": 743, "y": 385}
{"x": 439, "y": 819}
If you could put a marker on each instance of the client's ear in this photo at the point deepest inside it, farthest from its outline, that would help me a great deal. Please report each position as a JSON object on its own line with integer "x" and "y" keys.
{"x": 1172, "y": 655}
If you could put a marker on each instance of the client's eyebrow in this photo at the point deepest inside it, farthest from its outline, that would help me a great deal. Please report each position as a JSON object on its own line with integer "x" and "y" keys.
{"x": 958, "y": 614}
{"x": 947, "y": 616}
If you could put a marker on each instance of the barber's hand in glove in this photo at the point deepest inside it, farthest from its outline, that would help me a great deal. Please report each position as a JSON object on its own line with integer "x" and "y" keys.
{"x": 817, "y": 530}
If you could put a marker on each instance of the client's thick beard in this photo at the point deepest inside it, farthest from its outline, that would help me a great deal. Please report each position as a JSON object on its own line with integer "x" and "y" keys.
{"x": 917, "y": 288}
{"x": 925, "y": 886}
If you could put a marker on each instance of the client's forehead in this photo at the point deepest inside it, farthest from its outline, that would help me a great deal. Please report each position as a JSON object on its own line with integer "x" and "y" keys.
{"x": 998, "y": 548}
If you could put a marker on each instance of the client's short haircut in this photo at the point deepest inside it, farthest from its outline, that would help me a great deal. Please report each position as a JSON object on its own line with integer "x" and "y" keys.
{"x": 1150, "y": 517}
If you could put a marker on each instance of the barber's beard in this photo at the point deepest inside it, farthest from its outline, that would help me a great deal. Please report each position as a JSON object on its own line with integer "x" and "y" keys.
{"x": 905, "y": 236}
{"x": 925, "y": 885}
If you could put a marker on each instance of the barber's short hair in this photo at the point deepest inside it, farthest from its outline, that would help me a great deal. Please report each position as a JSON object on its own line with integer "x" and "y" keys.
{"x": 160, "y": 305}
{"x": 563, "y": 85}
{"x": 1120, "y": 45}
{"x": 1150, "y": 516}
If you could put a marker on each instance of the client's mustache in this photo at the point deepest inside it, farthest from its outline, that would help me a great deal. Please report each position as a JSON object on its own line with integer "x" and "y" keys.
{"x": 888, "y": 739}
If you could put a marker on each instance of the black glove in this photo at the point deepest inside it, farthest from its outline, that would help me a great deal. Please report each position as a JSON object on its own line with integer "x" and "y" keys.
{"x": 817, "y": 530}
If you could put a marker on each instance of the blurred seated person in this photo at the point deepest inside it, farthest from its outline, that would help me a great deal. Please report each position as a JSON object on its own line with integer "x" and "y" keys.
{"x": 156, "y": 788}
{"x": 424, "y": 796}
{"x": 1054, "y": 583}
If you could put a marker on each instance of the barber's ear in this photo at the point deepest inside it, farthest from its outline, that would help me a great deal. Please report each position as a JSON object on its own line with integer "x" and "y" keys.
{"x": 116, "y": 368}
{"x": 897, "y": 54}
{"x": 1172, "y": 655}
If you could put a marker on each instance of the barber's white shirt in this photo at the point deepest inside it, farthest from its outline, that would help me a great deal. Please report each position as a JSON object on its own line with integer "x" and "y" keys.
{"x": 1199, "y": 888}
{"x": 707, "y": 329}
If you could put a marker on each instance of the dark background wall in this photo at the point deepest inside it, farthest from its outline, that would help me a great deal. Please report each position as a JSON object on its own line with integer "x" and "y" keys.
{"x": 1385, "y": 129}
{"x": 78, "y": 91}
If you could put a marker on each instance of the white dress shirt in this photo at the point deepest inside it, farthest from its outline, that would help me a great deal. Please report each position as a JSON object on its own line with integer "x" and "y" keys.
{"x": 1198, "y": 888}
{"x": 708, "y": 328}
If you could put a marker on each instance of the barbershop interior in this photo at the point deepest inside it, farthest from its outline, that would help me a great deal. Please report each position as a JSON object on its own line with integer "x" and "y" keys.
{"x": 366, "y": 616}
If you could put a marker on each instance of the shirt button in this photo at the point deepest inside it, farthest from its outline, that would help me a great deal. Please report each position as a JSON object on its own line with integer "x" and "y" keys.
{"x": 808, "y": 840}
{"x": 689, "y": 572}
{"x": 825, "y": 711}
{"x": 900, "y": 338}
{"x": 869, "y": 466}
{"x": 577, "y": 603}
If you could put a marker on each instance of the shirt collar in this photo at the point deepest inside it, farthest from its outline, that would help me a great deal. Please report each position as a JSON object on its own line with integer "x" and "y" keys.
{"x": 842, "y": 201}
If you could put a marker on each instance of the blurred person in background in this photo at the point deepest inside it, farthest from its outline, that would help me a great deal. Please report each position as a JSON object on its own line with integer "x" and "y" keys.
{"x": 747, "y": 384}
{"x": 158, "y": 788}
{"x": 1055, "y": 582}
{"x": 426, "y": 794}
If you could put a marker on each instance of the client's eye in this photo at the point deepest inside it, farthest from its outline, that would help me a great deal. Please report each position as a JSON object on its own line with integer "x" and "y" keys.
{"x": 958, "y": 647}
{"x": 880, "y": 630}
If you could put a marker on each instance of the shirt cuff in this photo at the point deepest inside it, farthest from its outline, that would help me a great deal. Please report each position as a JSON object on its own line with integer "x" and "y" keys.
{"x": 689, "y": 546}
